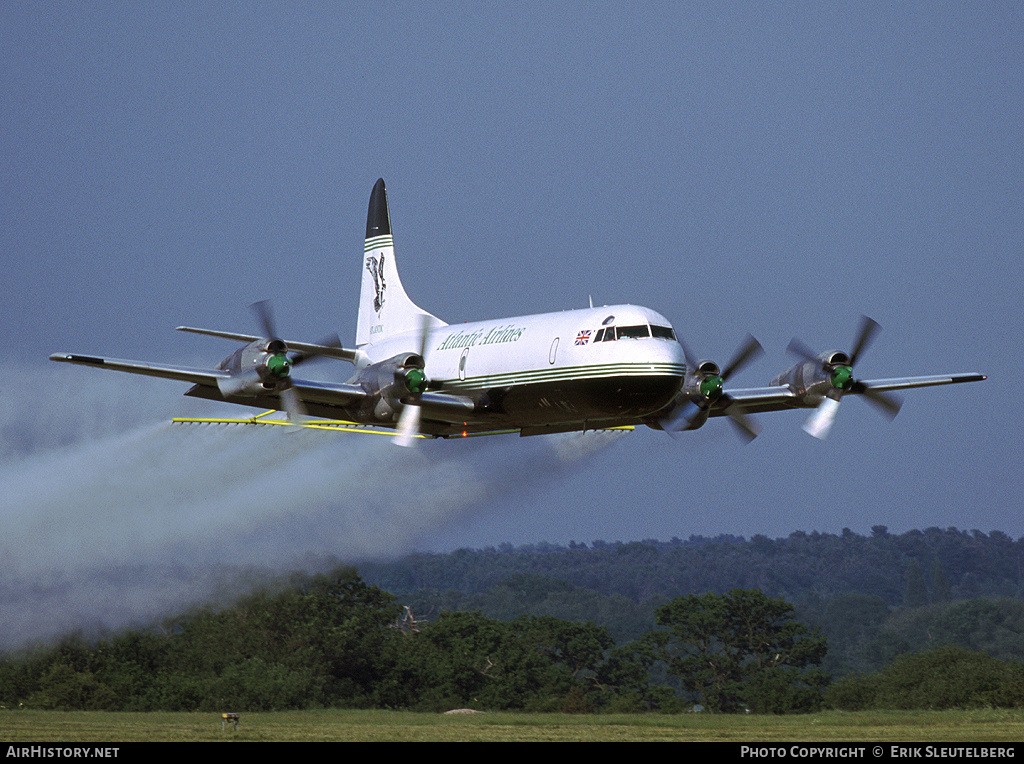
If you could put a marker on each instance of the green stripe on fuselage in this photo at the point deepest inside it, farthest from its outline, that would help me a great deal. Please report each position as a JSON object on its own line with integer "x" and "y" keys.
{"x": 566, "y": 374}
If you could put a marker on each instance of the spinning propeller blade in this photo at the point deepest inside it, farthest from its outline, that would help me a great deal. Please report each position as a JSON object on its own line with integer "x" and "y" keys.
{"x": 408, "y": 425}
{"x": 820, "y": 422}
{"x": 711, "y": 391}
{"x": 265, "y": 313}
{"x": 274, "y": 370}
{"x": 416, "y": 380}
{"x": 840, "y": 376}
{"x": 289, "y": 398}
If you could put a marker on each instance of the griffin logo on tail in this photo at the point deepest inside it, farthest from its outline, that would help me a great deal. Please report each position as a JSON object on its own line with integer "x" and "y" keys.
{"x": 376, "y": 269}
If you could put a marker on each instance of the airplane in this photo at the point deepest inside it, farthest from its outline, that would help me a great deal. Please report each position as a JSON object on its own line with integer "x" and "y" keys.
{"x": 596, "y": 368}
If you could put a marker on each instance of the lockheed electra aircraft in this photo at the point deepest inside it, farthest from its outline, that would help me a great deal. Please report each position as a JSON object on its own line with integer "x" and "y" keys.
{"x": 606, "y": 367}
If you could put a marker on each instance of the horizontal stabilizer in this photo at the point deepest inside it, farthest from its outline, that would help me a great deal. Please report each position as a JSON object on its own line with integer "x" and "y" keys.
{"x": 307, "y": 348}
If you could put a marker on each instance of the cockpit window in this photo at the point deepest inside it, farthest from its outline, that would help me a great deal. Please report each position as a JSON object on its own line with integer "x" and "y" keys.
{"x": 633, "y": 332}
{"x": 610, "y": 333}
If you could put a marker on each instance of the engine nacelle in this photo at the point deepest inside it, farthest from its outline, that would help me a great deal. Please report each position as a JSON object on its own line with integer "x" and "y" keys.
{"x": 697, "y": 419}
{"x": 707, "y": 368}
{"x": 812, "y": 379}
{"x": 703, "y": 389}
{"x": 703, "y": 382}
{"x": 389, "y": 382}
{"x": 260, "y": 365}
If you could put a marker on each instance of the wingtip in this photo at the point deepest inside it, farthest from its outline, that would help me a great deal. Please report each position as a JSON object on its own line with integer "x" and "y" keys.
{"x": 77, "y": 358}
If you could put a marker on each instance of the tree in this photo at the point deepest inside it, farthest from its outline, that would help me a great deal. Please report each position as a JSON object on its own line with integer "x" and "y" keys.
{"x": 916, "y": 592}
{"x": 65, "y": 689}
{"x": 947, "y": 677}
{"x": 323, "y": 640}
{"x": 625, "y": 680}
{"x": 531, "y": 662}
{"x": 741, "y": 650}
{"x": 940, "y": 583}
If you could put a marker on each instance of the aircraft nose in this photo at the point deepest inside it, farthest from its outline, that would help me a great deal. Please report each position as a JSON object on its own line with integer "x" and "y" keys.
{"x": 668, "y": 352}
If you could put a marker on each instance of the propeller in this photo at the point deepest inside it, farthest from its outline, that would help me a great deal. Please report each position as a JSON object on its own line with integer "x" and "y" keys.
{"x": 711, "y": 391}
{"x": 265, "y": 312}
{"x": 278, "y": 365}
{"x": 415, "y": 381}
{"x": 842, "y": 381}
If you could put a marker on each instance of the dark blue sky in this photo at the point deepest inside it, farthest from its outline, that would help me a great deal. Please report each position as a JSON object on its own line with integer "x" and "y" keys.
{"x": 773, "y": 168}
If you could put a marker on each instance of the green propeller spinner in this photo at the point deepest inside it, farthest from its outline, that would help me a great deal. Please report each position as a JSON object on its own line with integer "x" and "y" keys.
{"x": 279, "y": 365}
{"x": 415, "y": 380}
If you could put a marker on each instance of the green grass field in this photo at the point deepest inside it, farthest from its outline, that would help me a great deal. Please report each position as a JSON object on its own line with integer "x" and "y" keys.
{"x": 368, "y": 726}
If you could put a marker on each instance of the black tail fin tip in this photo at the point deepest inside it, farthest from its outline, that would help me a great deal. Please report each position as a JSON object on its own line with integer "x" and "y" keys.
{"x": 378, "y": 221}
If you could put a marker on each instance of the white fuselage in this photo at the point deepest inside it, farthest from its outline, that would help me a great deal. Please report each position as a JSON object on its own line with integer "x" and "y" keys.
{"x": 554, "y": 368}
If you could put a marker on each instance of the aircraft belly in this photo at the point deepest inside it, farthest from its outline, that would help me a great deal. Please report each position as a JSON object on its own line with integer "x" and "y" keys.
{"x": 618, "y": 399}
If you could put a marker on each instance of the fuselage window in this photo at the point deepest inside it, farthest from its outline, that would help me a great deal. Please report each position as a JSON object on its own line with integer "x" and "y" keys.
{"x": 609, "y": 334}
{"x": 663, "y": 332}
{"x": 599, "y": 336}
{"x": 633, "y": 332}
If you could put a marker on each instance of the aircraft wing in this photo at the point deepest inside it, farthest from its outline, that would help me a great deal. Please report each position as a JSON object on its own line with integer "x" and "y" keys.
{"x": 781, "y": 397}
{"x": 757, "y": 399}
{"x": 210, "y": 381}
{"x": 905, "y": 383}
{"x": 328, "y": 393}
{"x": 323, "y": 399}
{"x": 182, "y": 373}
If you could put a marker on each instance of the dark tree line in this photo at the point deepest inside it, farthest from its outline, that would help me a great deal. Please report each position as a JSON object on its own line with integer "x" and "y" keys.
{"x": 904, "y": 570}
{"x": 335, "y": 641}
{"x": 937, "y": 679}
{"x": 604, "y": 626}
{"x": 875, "y": 597}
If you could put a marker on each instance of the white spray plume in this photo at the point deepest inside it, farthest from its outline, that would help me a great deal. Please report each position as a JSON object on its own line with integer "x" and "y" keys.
{"x": 113, "y": 516}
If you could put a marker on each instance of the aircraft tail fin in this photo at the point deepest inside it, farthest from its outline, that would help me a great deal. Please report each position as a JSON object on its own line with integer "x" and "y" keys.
{"x": 384, "y": 307}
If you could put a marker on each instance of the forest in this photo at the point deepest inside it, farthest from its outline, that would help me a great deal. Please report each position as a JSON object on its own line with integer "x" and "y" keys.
{"x": 923, "y": 619}
{"x": 874, "y": 597}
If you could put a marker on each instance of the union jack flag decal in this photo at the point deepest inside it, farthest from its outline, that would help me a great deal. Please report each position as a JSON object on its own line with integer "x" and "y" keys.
{"x": 583, "y": 337}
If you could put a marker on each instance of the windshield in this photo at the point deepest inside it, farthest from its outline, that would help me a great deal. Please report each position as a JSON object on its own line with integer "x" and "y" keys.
{"x": 626, "y": 332}
{"x": 663, "y": 332}
{"x": 634, "y": 332}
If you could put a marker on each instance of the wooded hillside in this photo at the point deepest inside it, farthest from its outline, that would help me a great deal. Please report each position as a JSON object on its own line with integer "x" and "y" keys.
{"x": 923, "y": 619}
{"x": 874, "y": 596}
